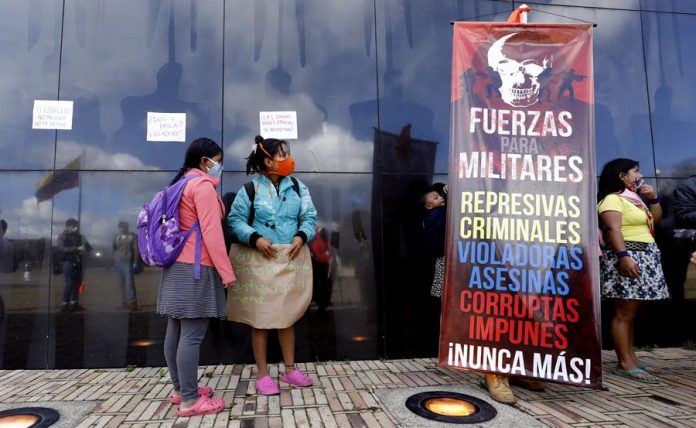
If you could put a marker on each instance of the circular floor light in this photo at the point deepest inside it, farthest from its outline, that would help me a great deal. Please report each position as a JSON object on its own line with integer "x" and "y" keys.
{"x": 450, "y": 407}
{"x": 28, "y": 417}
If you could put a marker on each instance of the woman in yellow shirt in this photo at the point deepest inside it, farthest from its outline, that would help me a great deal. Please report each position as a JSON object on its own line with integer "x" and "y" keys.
{"x": 630, "y": 264}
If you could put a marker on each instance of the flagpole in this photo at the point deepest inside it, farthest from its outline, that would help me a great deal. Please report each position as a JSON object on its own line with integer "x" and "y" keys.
{"x": 79, "y": 188}
{"x": 523, "y": 15}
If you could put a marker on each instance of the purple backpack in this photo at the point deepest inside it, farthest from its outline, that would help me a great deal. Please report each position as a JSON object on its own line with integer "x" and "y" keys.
{"x": 160, "y": 239}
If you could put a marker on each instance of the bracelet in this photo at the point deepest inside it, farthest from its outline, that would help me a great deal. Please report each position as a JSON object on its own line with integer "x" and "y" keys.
{"x": 654, "y": 201}
{"x": 622, "y": 253}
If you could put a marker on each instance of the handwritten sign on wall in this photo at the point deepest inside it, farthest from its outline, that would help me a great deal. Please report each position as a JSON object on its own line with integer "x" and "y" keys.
{"x": 166, "y": 126}
{"x": 278, "y": 124}
{"x": 51, "y": 114}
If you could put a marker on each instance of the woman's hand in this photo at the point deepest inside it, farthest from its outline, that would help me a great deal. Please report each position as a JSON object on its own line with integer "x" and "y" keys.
{"x": 228, "y": 285}
{"x": 628, "y": 267}
{"x": 265, "y": 248}
{"x": 295, "y": 247}
{"x": 648, "y": 191}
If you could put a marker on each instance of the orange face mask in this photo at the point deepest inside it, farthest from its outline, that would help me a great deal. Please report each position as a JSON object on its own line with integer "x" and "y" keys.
{"x": 285, "y": 167}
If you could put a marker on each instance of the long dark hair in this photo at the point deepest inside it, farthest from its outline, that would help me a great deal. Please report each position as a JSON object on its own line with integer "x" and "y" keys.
{"x": 264, "y": 149}
{"x": 609, "y": 181}
{"x": 199, "y": 148}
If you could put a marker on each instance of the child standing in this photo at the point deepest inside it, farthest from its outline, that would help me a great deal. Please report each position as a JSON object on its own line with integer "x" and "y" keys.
{"x": 434, "y": 222}
{"x": 284, "y": 220}
{"x": 187, "y": 302}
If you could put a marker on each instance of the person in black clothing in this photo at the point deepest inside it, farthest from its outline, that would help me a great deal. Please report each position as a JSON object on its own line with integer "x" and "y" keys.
{"x": 320, "y": 249}
{"x": 685, "y": 204}
{"x": 72, "y": 246}
{"x": 7, "y": 260}
{"x": 434, "y": 223}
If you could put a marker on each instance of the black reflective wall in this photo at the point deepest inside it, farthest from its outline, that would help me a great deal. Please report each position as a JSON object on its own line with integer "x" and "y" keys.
{"x": 369, "y": 81}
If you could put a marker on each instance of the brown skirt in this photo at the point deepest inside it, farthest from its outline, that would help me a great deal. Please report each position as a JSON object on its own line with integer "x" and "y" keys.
{"x": 269, "y": 293}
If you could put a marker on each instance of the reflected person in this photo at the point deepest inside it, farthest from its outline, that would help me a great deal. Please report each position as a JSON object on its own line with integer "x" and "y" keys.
{"x": 7, "y": 259}
{"x": 321, "y": 268}
{"x": 72, "y": 246}
{"x": 125, "y": 248}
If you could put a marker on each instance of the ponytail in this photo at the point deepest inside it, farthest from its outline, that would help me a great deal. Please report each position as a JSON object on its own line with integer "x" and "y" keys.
{"x": 184, "y": 169}
{"x": 263, "y": 149}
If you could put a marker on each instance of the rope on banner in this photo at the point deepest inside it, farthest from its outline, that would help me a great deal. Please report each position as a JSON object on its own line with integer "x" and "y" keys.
{"x": 569, "y": 17}
{"x": 594, "y": 25}
{"x": 507, "y": 12}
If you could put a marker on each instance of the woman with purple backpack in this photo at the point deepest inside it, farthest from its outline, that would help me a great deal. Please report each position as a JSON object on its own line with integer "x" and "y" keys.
{"x": 188, "y": 302}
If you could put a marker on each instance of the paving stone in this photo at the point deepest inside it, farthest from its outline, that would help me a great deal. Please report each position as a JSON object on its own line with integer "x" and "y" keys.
{"x": 384, "y": 420}
{"x": 320, "y": 396}
{"x": 343, "y": 394}
{"x": 296, "y": 397}
{"x": 327, "y": 417}
{"x": 274, "y": 405}
{"x": 275, "y": 422}
{"x": 314, "y": 417}
{"x": 301, "y": 418}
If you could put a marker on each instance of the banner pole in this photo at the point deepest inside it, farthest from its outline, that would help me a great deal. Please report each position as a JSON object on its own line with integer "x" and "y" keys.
{"x": 523, "y": 15}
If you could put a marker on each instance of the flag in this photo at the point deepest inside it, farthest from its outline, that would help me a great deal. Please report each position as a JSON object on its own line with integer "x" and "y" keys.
{"x": 521, "y": 295}
{"x": 56, "y": 181}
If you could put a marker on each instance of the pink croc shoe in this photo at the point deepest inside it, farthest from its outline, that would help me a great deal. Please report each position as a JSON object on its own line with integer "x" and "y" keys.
{"x": 267, "y": 386}
{"x": 297, "y": 378}
{"x": 204, "y": 406}
{"x": 203, "y": 391}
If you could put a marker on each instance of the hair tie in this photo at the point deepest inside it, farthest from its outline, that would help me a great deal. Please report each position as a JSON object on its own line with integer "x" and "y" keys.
{"x": 264, "y": 150}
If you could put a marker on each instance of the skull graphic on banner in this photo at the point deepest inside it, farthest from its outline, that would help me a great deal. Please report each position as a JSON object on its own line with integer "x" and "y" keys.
{"x": 518, "y": 71}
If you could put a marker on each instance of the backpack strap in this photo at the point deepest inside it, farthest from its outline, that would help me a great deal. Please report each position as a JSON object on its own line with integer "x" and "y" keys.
{"x": 296, "y": 188}
{"x": 199, "y": 238}
{"x": 251, "y": 193}
{"x": 295, "y": 185}
{"x": 197, "y": 260}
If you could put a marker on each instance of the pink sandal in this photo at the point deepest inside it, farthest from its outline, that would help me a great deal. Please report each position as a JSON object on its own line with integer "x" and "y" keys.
{"x": 204, "y": 406}
{"x": 267, "y": 386}
{"x": 203, "y": 391}
{"x": 297, "y": 378}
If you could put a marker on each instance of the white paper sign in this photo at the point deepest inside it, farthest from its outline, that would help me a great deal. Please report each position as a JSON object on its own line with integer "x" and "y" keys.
{"x": 166, "y": 126}
{"x": 278, "y": 124}
{"x": 50, "y": 114}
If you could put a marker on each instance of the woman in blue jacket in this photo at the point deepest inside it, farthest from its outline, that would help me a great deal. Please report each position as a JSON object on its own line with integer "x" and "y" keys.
{"x": 283, "y": 213}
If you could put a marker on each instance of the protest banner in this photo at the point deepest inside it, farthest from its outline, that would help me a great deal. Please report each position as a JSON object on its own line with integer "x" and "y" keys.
{"x": 522, "y": 284}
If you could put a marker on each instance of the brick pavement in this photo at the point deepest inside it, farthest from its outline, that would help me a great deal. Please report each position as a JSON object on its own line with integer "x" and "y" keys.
{"x": 343, "y": 395}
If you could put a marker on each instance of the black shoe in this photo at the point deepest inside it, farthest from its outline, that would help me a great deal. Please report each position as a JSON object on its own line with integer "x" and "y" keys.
{"x": 65, "y": 307}
{"x": 75, "y": 307}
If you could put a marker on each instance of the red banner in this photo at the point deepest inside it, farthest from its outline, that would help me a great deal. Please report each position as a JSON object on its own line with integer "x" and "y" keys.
{"x": 522, "y": 281}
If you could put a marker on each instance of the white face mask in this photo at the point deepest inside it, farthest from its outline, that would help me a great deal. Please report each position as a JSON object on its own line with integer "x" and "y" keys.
{"x": 215, "y": 170}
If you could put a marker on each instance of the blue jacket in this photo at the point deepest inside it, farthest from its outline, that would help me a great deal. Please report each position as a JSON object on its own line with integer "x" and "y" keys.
{"x": 277, "y": 218}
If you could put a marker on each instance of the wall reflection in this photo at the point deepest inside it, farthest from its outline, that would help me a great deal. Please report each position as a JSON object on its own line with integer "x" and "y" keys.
{"x": 370, "y": 84}
{"x": 25, "y": 271}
